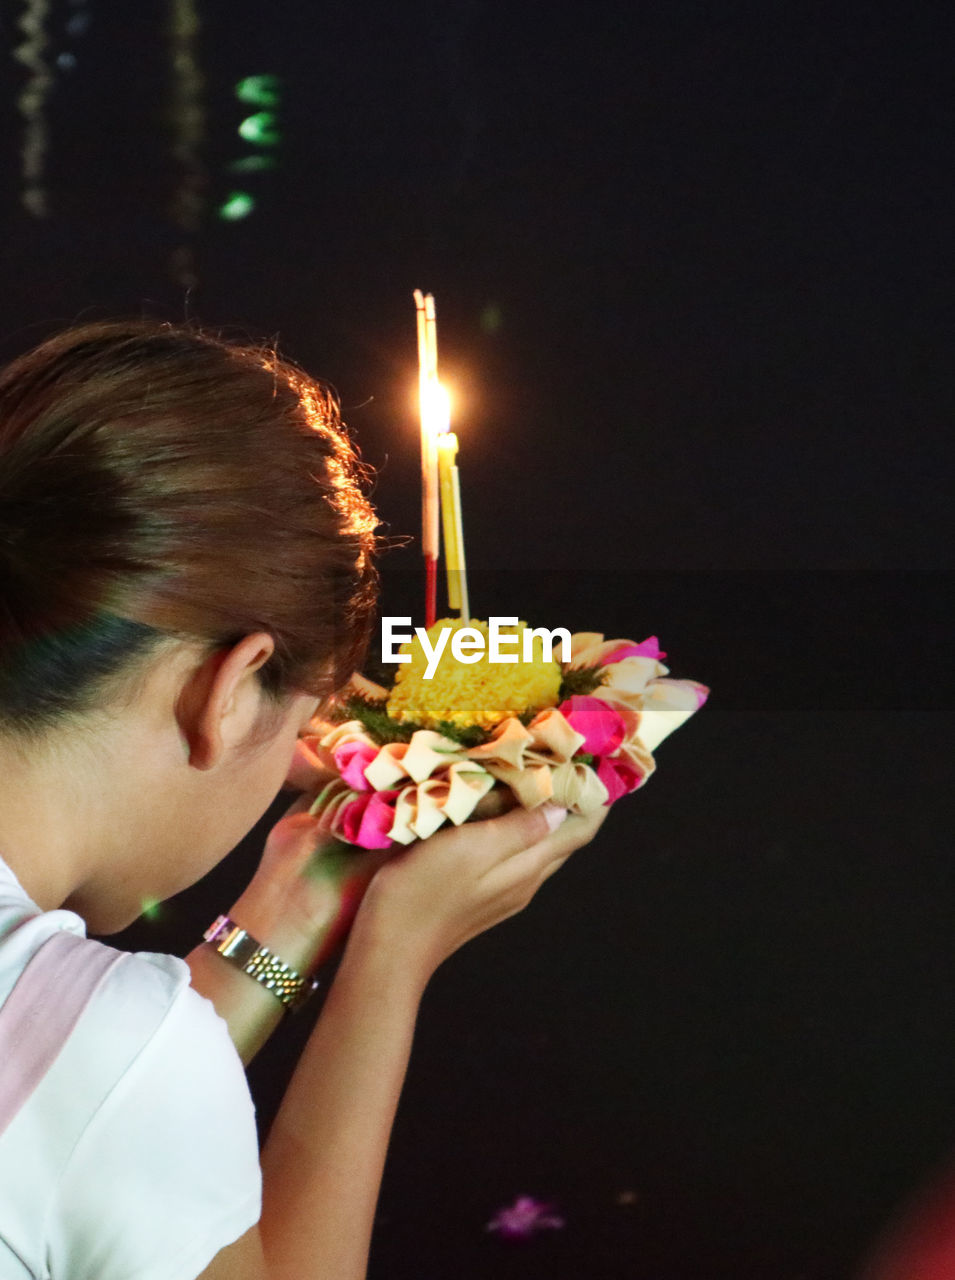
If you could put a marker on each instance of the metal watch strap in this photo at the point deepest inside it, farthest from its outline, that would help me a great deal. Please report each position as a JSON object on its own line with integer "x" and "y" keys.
{"x": 241, "y": 949}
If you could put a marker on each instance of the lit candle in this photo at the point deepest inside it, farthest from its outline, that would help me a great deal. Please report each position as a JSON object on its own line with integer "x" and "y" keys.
{"x": 453, "y": 528}
{"x": 429, "y": 408}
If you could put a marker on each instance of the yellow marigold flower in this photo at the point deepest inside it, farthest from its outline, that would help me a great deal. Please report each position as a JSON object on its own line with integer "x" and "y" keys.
{"x": 477, "y": 693}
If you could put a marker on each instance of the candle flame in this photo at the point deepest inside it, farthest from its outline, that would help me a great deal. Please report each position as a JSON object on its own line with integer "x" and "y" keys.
{"x": 435, "y": 408}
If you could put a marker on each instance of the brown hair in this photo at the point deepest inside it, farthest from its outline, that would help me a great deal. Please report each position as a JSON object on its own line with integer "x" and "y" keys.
{"x": 157, "y": 481}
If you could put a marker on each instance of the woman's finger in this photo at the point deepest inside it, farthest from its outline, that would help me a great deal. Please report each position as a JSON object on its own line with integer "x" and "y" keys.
{"x": 529, "y": 867}
{"x": 576, "y": 831}
{"x": 548, "y": 855}
{"x": 555, "y": 866}
{"x": 498, "y": 801}
{"x": 495, "y": 840}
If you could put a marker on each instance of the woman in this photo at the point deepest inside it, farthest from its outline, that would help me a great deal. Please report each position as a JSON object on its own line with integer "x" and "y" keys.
{"x": 185, "y": 574}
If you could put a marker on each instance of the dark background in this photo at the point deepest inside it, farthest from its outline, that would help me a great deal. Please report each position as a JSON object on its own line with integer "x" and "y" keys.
{"x": 693, "y": 281}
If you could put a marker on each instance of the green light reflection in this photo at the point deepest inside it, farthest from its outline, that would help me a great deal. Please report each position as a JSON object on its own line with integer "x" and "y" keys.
{"x": 262, "y": 129}
{"x": 251, "y": 164}
{"x": 260, "y": 91}
{"x": 237, "y": 205}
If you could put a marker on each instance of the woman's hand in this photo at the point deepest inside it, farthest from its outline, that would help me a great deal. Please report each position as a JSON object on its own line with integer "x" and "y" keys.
{"x": 307, "y": 886}
{"x": 428, "y": 900}
{"x": 306, "y": 890}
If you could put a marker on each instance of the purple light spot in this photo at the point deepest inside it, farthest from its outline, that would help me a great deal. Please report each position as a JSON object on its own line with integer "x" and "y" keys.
{"x": 523, "y": 1218}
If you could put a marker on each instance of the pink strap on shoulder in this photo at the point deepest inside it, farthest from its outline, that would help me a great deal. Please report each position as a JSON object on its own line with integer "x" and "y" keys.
{"x": 38, "y": 1016}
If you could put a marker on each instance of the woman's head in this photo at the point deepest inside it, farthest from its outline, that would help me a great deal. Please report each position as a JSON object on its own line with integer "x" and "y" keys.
{"x": 157, "y": 483}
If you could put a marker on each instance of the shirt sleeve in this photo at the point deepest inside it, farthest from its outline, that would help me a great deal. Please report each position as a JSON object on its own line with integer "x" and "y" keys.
{"x": 167, "y": 1171}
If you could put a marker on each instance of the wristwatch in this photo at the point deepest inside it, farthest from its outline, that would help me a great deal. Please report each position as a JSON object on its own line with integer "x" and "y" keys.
{"x": 246, "y": 953}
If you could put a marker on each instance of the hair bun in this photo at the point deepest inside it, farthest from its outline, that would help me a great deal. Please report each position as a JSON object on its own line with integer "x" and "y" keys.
{"x": 157, "y": 480}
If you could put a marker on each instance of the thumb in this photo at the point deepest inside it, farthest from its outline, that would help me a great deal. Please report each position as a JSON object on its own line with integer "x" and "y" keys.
{"x": 521, "y": 828}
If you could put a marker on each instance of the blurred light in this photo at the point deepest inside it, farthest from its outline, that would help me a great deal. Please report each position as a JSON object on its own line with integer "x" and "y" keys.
{"x": 492, "y": 318}
{"x": 31, "y": 102}
{"x": 261, "y": 91}
{"x": 251, "y": 164}
{"x": 151, "y": 908}
{"x": 436, "y": 408}
{"x": 237, "y": 205}
{"x": 262, "y": 129}
{"x": 187, "y": 120}
{"x": 76, "y": 26}
{"x": 66, "y": 61}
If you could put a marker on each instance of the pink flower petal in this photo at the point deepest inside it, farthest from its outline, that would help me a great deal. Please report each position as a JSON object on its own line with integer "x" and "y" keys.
{"x": 366, "y": 820}
{"x": 619, "y": 776}
{"x": 377, "y": 821}
{"x": 649, "y": 648}
{"x": 602, "y": 728}
{"x": 351, "y": 759}
{"x": 349, "y": 816}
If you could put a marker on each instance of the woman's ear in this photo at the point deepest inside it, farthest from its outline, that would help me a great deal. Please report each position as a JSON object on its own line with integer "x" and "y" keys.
{"x": 220, "y": 701}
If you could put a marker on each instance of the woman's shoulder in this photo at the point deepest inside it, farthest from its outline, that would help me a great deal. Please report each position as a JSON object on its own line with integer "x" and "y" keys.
{"x": 55, "y": 981}
{"x": 81, "y": 1020}
{"x": 173, "y": 1144}
{"x": 141, "y": 1078}
{"x": 53, "y": 973}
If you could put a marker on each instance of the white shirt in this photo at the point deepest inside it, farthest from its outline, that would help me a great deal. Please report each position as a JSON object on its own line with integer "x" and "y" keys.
{"x": 136, "y": 1156}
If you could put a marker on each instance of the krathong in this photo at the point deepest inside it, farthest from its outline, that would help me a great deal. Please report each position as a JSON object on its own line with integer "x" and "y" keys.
{"x": 406, "y": 760}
